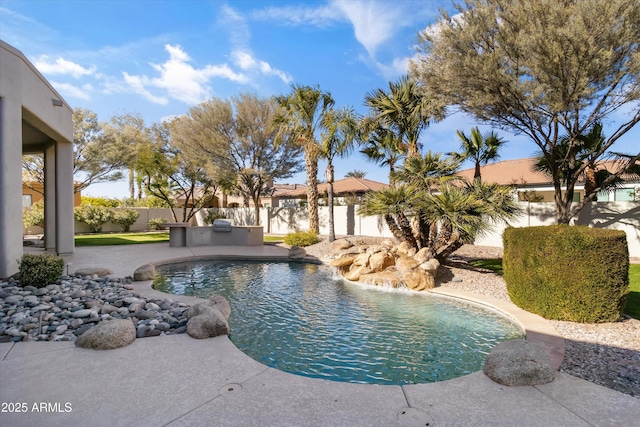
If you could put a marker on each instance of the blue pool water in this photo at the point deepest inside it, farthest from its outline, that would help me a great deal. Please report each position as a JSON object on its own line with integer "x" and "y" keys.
{"x": 301, "y": 319}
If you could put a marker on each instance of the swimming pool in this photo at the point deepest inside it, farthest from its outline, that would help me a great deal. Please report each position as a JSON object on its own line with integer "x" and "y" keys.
{"x": 301, "y": 318}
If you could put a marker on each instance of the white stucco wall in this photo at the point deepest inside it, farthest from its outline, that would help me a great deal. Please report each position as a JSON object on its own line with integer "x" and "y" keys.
{"x": 26, "y": 95}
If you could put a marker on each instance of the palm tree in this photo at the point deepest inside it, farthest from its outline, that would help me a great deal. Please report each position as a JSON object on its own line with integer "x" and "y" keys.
{"x": 337, "y": 139}
{"x": 480, "y": 148}
{"x": 381, "y": 145}
{"x": 356, "y": 173}
{"x": 404, "y": 111}
{"x": 301, "y": 117}
{"x": 445, "y": 219}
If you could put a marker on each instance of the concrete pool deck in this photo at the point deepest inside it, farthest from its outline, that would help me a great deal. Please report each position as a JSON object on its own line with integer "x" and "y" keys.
{"x": 174, "y": 380}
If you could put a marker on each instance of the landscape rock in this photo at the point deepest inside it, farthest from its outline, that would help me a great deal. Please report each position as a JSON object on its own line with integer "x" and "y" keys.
{"x": 145, "y": 272}
{"x": 431, "y": 266}
{"x": 341, "y": 244}
{"x": 518, "y": 363}
{"x": 423, "y": 255}
{"x": 206, "y": 322}
{"x": 355, "y": 272}
{"x": 383, "y": 278}
{"x": 404, "y": 264}
{"x": 362, "y": 259}
{"x": 296, "y": 252}
{"x": 91, "y": 271}
{"x": 380, "y": 261}
{"x": 221, "y": 304}
{"x": 108, "y": 335}
{"x": 418, "y": 280}
{"x": 405, "y": 249}
{"x": 343, "y": 261}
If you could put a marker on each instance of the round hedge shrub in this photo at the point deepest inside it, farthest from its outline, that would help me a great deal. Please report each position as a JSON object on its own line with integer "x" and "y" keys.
{"x": 301, "y": 238}
{"x": 40, "y": 270}
{"x": 572, "y": 273}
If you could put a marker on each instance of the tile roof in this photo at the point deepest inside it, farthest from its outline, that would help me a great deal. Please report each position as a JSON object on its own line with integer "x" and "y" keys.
{"x": 340, "y": 186}
{"x": 521, "y": 172}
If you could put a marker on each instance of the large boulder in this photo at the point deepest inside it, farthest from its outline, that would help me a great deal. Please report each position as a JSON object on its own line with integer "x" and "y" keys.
{"x": 518, "y": 363}
{"x": 145, "y": 272}
{"x": 418, "y": 280}
{"x": 380, "y": 261}
{"x": 206, "y": 321}
{"x": 405, "y": 249}
{"x": 296, "y": 252}
{"x": 431, "y": 266}
{"x": 341, "y": 244}
{"x": 221, "y": 304}
{"x": 108, "y": 335}
{"x": 355, "y": 272}
{"x": 361, "y": 259}
{"x": 91, "y": 271}
{"x": 423, "y": 255}
{"x": 404, "y": 264}
{"x": 343, "y": 261}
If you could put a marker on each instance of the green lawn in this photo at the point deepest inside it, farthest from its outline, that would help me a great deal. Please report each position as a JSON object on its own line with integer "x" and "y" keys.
{"x": 121, "y": 239}
{"x": 110, "y": 239}
{"x": 633, "y": 301}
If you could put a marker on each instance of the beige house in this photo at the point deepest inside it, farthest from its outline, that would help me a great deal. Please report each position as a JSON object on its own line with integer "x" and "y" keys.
{"x": 33, "y": 119}
{"x": 535, "y": 186}
{"x": 346, "y": 191}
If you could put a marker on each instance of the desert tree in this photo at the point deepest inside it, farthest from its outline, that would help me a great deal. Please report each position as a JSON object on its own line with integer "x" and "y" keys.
{"x": 545, "y": 69}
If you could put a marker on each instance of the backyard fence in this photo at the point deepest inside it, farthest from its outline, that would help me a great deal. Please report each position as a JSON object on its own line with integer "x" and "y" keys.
{"x": 283, "y": 220}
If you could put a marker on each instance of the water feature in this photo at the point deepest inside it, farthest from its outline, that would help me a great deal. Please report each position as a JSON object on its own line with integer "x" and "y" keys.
{"x": 301, "y": 318}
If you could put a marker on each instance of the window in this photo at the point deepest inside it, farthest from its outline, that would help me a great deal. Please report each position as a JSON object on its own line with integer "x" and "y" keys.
{"x": 624, "y": 195}
{"x": 26, "y": 201}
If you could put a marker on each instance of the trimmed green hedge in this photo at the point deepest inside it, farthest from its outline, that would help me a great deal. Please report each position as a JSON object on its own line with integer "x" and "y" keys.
{"x": 301, "y": 238}
{"x": 562, "y": 272}
{"x": 40, "y": 270}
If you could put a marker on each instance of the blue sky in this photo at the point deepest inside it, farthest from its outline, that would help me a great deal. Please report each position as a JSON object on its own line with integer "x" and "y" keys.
{"x": 158, "y": 58}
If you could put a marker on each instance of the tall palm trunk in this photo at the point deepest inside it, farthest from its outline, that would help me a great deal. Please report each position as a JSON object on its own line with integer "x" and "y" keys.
{"x": 329, "y": 176}
{"x": 311, "y": 162}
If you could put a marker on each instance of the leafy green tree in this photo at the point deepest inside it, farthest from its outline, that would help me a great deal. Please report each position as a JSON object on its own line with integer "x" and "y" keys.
{"x": 125, "y": 218}
{"x": 340, "y": 131}
{"x": 96, "y": 156}
{"x": 481, "y": 149}
{"x": 544, "y": 69}
{"x": 301, "y": 119}
{"x": 130, "y": 134}
{"x": 405, "y": 111}
{"x": 180, "y": 181}
{"x": 34, "y": 215}
{"x": 94, "y": 216}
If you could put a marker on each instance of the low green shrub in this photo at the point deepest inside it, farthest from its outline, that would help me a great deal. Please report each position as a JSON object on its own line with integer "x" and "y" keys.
{"x": 99, "y": 201}
{"x": 40, "y": 270}
{"x": 578, "y": 274}
{"x": 157, "y": 223}
{"x": 34, "y": 216}
{"x": 125, "y": 218}
{"x": 94, "y": 216}
{"x": 301, "y": 238}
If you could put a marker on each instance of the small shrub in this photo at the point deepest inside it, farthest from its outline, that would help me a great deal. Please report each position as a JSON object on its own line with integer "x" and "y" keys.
{"x": 40, "y": 270}
{"x": 100, "y": 201}
{"x": 301, "y": 238}
{"x": 94, "y": 216}
{"x": 125, "y": 218}
{"x": 213, "y": 214}
{"x": 157, "y": 223}
{"x": 34, "y": 216}
{"x": 578, "y": 274}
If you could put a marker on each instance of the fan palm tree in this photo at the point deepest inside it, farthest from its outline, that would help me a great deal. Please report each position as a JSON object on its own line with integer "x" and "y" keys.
{"x": 340, "y": 129}
{"x": 301, "y": 117}
{"x": 381, "y": 145}
{"x": 404, "y": 111}
{"x": 480, "y": 148}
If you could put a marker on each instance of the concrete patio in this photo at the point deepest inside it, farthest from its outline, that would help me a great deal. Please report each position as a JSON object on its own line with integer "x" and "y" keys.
{"x": 176, "y": 380}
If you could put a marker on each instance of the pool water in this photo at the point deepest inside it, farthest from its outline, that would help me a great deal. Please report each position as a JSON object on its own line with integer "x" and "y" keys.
{"x": 301, "y": 318}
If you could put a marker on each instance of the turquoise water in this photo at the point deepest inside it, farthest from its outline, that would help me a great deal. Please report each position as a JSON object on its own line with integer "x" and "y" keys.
{"x": 301, "y": 319}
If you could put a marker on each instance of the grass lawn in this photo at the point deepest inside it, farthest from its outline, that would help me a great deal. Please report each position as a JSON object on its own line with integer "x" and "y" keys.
{"x": 633, "y": 301}
{"x": 121, "y": 239}
{"x": 110, "y": 239}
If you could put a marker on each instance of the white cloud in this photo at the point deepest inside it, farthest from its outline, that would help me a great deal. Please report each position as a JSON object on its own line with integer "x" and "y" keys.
{"x": 70, "y": 90}
{"x": 398, "y": 67}
{"x": 247, "y": 62}
{"x": 320, "y": 16}
{"x": 62, "y": 66}
{"x": 180, "y": 79}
